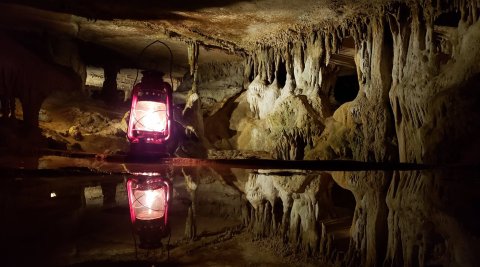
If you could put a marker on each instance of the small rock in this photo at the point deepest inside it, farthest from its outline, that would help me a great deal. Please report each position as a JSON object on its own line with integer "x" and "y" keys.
{"x": 74, "y": 132}
{"x": 43, "y": 116}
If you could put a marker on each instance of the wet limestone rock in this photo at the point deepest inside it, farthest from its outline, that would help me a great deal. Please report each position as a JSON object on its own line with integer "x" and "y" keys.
{"x": 75, "y": 133}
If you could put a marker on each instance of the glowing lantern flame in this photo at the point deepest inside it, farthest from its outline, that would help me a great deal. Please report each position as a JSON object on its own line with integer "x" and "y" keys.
{"x": 150, "y": 116}
{"x": 149, "y": 204}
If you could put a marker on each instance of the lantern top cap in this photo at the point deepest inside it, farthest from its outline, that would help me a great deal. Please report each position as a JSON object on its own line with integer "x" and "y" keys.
{"x": 150, "y": 73}
{"x": 149, "y": 174}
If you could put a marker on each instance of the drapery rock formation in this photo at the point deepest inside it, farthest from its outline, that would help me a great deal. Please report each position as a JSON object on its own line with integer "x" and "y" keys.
{"x": 417, "y": 69}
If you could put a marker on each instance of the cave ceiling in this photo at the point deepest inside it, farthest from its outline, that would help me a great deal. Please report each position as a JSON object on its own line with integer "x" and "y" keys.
{"x": 226, "y": 29}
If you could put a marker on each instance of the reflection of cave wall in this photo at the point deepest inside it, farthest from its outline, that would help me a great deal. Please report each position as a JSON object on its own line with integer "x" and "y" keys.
{"x": 366, "y": 218}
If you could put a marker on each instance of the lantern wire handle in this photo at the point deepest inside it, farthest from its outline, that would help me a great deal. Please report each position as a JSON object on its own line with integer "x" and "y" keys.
{"x": 134, "y": 241}
{"x": 171, "y": 59}
{"x": 168, "y": 242}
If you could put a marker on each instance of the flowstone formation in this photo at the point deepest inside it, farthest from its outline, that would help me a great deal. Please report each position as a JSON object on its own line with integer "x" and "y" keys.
{"x": 434, "y": 81}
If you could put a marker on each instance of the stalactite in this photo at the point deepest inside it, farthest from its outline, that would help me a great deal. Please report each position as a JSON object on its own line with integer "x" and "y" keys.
{"x": 193, "y": 104}
{"x": 328, "y": 48}
{"x": 193, "y": 50}
{"x": 245, "y": 212}
{"x": 248, "y": 71}
{"x": 290, "y": 84}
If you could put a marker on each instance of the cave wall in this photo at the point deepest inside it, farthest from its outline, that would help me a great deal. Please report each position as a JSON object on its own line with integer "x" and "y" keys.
{"x": 435, "y": 79}
{"x": 31, "y": 77}
{"x": 65, "y": 52}
{"x": 417, "y": 68}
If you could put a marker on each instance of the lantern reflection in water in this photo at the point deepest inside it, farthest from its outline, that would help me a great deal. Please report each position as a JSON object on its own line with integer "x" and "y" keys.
{"x": 149, "y": 200}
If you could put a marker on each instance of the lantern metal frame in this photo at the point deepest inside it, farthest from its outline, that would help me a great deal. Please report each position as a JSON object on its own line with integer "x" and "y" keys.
{"x": 159, "y": 92}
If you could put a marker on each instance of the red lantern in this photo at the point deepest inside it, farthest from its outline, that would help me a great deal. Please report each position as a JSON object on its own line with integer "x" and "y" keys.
{"x": 151, "y": 110}
{"x": 148, "y": 198}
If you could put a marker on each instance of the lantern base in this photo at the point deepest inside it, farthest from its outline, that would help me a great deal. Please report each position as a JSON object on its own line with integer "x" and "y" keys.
{"x": 144, "y": 149}
{"x": 151, "y": 233}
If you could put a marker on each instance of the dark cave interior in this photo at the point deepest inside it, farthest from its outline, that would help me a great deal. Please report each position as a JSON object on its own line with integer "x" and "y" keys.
{"x": 275, "y": 133}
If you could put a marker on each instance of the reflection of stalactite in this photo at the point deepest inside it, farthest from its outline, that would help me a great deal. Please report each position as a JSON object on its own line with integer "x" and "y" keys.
{"x": 245, "y": 212}
{"x": 368, "y": 230}
{"x": 191, "y": 224}
{"x": 109, "y": 193}
{"x": 293, "y": 214}
{"x": 422, "y": 228}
